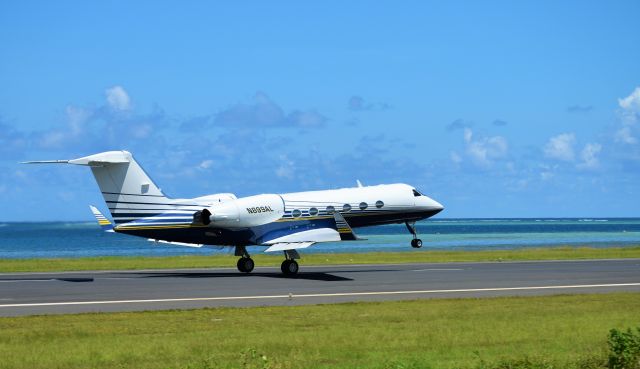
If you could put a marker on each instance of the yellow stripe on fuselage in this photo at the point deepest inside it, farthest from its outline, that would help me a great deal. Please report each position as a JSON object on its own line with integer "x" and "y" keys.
{"x": 302, "y": 218}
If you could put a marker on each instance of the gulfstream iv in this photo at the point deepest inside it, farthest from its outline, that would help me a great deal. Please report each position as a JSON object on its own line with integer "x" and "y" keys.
{"x": 280, "y": 222}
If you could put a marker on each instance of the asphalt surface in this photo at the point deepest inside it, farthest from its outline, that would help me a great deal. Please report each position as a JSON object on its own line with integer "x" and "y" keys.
{"x": 100, "y": 291}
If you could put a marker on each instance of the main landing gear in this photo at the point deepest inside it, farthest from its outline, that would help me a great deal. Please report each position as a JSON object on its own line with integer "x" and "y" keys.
{"x": 290, "y": 266}
{"x": 245, "y": 263}
{"x": 416, "y": 243}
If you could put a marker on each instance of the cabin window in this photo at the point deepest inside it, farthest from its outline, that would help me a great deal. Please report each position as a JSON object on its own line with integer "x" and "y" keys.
{"x": 331, "y": 209}
{"x": 346, "y": 208}
{"x": 379, "y": 204}
{"x": 313, "y": 211}
{"x": 416, "y": 193}
{"x": 296, "y": 213}
{"x": 363, "y": 205}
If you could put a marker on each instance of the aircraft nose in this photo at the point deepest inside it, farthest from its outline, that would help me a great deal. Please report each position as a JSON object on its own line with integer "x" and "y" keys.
{"x": 432, "y": 205}
{"x": 436, "y": 205}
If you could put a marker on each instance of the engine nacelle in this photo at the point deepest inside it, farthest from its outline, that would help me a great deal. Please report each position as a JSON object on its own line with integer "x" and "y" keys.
{"x": 218, "y": 197}
{"x": 244, "y": 212}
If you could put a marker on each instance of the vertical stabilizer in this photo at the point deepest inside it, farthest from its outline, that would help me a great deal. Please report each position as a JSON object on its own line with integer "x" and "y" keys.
{"x": 127, "y": 189}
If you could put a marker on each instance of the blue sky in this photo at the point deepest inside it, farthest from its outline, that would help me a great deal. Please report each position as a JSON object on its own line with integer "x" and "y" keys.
{"x": 495, "y": 109}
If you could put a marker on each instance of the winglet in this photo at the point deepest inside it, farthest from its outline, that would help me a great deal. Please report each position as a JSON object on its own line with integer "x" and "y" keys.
{"x": 346, "y": 233}
{"x": 359, "y": 183}
{"x": 104, "y": 223}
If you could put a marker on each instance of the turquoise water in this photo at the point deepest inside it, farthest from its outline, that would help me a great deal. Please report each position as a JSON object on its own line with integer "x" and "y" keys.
{"x": 80, "y": 239}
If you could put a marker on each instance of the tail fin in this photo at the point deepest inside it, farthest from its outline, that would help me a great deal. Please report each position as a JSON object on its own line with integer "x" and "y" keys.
{"x": 127, "y": 189}
{"x": 104, "y": 223}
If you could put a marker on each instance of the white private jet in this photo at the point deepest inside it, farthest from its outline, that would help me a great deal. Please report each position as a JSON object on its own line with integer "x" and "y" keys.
{"x": 280, "y": 222}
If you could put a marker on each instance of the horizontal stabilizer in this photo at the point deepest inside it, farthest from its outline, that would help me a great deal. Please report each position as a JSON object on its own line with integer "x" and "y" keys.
{"x": 185, "y": 244}
{"x": 96, "y": 160}
{"x": 46, "y": 162}
{"x": 103, "y": 222}
{"x": 288, "y": 246}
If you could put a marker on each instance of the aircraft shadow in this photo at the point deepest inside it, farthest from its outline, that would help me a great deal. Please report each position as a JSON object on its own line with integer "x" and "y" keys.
{"x": 303, "y": 276}
{"x": 70, "y": 279}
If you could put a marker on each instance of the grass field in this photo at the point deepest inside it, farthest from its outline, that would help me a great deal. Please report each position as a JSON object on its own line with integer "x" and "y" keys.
{"x": 424, "y": 255}
{"x": 446, "y": 333}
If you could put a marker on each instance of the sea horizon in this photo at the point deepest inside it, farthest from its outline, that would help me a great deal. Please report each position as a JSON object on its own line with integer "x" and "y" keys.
{"x": 72, "y": 239}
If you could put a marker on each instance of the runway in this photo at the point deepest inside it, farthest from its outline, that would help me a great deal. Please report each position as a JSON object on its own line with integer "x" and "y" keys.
{"x": 104, "y": 291}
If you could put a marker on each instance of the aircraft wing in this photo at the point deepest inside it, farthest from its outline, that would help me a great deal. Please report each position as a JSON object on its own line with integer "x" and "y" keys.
{"x": 339, "y": 231}
{"x": 197, "y": 245}
{"x": 312, "y": 235}
{"x": 302, "y": 239}
{"x": 283, "y": 246}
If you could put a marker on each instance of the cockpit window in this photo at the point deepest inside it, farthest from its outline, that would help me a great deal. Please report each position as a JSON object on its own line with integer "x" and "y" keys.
{"x": 416, "y": 193}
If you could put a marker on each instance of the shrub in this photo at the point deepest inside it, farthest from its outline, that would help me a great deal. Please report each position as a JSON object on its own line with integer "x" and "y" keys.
{"x": 624, "y": 349}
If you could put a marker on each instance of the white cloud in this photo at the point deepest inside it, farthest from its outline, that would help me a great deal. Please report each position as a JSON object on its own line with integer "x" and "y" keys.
{"x": 205, "y": 164}
{"x": 53, "y": 140}
{"x": 455, "y": 157}
{"x": 309, "y": 118}
{"x": 142, "y": 130}
{"x": 624, "y": 135}
{"x": 264, "y": 112}
{"x": 545, "y": 176}
{"x": 286, "y": 168}
{"x": 357, "y": 103}
{"x": 631, "y": 102}
{"x": 118, "y": 99}
{"x": 589, "y": 156}
{"x": 630, "y": 106}
{"x": 560, "y": 147}
{"x": 484, "y": 150}
{"x": 77, "y": 117}
{"x": 629, "y": 115}
{"x": 547, "y": 171}
{"x": 468, "y": 135}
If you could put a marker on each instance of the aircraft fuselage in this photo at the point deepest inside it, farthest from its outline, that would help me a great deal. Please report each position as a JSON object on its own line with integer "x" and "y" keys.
{"x": 251, "y": 220}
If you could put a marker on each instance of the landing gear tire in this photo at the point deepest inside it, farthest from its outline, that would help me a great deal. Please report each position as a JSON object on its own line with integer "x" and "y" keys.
{"x": 245, "y": 265}
{"x": 289, "y": 267}
{"x": 416, "y": 243}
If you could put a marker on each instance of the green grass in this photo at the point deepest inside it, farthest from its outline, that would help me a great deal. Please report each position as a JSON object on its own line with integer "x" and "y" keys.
{"x": 424, "y": 255}
{"x": 438, "y": 333}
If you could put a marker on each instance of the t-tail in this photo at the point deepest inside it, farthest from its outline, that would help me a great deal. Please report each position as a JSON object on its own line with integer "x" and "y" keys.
{"x": 127, "y": 189}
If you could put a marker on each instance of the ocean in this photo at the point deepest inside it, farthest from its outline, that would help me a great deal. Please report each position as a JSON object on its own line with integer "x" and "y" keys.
{"x": 85, "y": 239}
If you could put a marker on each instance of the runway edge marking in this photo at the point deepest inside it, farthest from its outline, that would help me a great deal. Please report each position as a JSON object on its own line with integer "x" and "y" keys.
{"x": 311, "y": 295}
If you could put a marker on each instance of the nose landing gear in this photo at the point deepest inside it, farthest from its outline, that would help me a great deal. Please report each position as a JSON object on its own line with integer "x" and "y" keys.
{"x": 416, "y": 243}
